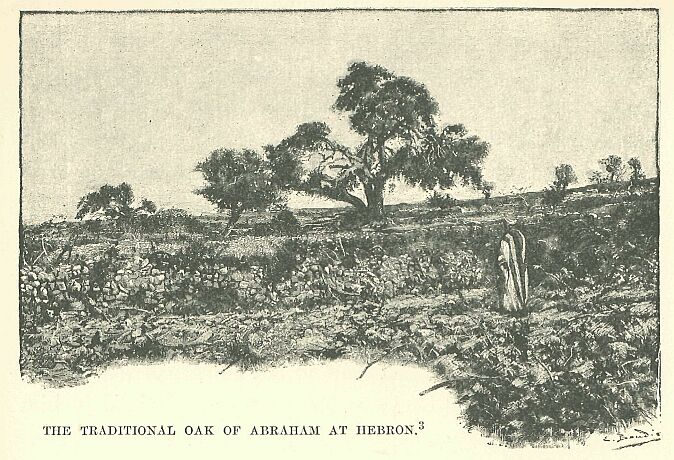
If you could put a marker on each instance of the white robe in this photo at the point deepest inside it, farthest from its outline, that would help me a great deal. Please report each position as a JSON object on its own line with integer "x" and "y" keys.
{"x": 513, "y": 276}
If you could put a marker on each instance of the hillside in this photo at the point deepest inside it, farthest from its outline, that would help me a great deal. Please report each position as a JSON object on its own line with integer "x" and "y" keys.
{"x": 420, "y": 288}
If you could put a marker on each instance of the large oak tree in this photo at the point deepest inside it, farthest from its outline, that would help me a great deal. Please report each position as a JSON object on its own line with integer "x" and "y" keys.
{"x": 395, "y": 118}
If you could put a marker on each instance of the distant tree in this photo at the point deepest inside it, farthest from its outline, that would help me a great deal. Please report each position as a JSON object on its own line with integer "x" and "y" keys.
{"x": 237, "y": 181}
{"x": 395, "y": 118}
{"x": 612, "y": 170}
{"x": 614, "y": 167}
{"x": 597, "y": 177}
{"x": 564, "y": 176}
{"x": 487, "y": 188}
{"x": 114, "y": 201}
{"x": 637, "y": 173}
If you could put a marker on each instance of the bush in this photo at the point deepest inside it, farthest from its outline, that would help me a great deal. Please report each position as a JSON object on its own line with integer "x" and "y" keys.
{"x": 585, "y": 373}
{"x": 440, "y": 201}
{"x": 283, "y": 222}
{"x": 553, "y": 196}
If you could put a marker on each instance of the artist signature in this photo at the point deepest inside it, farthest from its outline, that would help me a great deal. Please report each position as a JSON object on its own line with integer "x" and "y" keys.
{"x": 639, "y": 438}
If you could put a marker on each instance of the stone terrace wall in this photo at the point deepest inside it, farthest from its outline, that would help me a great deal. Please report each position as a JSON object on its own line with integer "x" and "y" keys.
{"x": 168, "y": 283}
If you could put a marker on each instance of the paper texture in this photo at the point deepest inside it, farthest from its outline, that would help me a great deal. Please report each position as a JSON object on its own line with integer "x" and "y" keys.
{"x": 111, "y": 97}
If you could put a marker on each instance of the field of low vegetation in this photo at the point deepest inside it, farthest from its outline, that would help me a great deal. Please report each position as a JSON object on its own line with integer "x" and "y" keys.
{"x": 418, "y": 287}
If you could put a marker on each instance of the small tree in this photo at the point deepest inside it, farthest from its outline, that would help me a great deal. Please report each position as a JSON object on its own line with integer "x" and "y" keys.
{"x": 114, "y": 201}
{"x": 237, "y": 181}
{"x": 615, "y": 169}
{"x": 612, "y": 170}
{"x": 637, "y": 173}
{"x": 564, "y": 176}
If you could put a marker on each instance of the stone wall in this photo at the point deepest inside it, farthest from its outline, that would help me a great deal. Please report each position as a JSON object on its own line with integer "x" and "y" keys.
{"x": 177, "y": 285}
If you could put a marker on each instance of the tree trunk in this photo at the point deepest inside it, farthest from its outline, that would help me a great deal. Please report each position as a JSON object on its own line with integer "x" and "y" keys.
{"x": 375, "y": 199}
{"x": 234, "y": 215}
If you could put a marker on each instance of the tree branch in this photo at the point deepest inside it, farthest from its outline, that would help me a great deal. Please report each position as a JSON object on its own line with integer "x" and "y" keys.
{"x": 448, "y": 382}
{"x": 336, "y": 194}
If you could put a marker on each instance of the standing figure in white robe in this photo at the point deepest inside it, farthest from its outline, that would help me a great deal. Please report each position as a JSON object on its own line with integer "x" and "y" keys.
{"x": 513, "y": 285}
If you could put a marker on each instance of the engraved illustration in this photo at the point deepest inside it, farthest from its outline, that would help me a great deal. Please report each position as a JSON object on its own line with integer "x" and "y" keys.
{"x": 472, "y": 191}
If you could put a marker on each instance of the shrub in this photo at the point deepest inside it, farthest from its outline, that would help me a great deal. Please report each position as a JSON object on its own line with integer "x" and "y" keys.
{"x": 553, "y": 196}
{"x": 440, "y": 200}
{"x": 283, "y": 222}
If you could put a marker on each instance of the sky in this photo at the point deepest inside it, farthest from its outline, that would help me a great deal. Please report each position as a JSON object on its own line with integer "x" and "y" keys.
{"x": 142, "y": 98}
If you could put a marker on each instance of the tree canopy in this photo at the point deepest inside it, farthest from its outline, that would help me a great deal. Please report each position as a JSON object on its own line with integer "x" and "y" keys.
{"x": 564, "y": 176}
{"x": 236, "y": 181}
{"x": 637, "y": 173}
{"x": 395, "y": 117}
{"x": 113, "y": 201}
{"x": 612, "y": 170}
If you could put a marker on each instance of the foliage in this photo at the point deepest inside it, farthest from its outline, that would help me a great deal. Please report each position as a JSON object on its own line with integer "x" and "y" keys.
{"x": 594, "y": 331}
{"x": 553, "y": 196}
{"x": 612, "y": 170}
{"x": 597, "y": 177}
{"x": 283, "y": 222}
{"x": 114, "y": 201}
{"x": 564, "y": 176}
{"x": 237, "y": 181}
{"x": 148, "y": 206}
{"x": 395, "y": 117}
{"x": 440, "y": 200}
{"x": 637, "y": 173}
{"x": 614, "y": 167}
